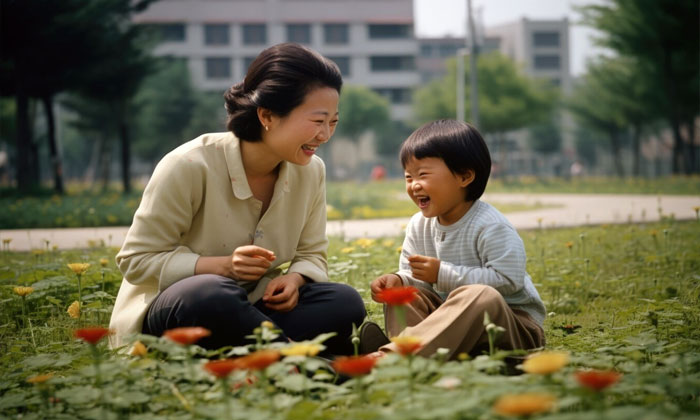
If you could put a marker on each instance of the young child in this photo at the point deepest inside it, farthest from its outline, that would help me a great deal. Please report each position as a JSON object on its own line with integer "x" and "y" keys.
{"x": 462, "y": 254}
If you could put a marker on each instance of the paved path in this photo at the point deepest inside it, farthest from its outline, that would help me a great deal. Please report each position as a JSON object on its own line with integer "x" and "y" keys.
{"x": 567, "y": 210}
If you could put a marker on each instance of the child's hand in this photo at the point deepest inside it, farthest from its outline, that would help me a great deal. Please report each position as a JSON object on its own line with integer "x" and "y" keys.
{"x": 385, "y": 281}
{"x": 424, "y": 268}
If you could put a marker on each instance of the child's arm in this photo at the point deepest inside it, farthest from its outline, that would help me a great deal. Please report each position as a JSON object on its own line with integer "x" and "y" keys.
{"x": 503, "y": 259}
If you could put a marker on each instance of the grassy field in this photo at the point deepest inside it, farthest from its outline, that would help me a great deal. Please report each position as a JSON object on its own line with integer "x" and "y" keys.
{"x": 346, "y": 200}
{"x": 623, "y": 298}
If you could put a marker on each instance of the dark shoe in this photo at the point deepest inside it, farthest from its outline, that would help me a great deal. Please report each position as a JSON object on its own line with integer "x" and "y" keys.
{"x": 371, "y": 338}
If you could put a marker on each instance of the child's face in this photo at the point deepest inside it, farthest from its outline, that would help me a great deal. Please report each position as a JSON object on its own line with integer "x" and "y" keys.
{"x": 436, "y": 190}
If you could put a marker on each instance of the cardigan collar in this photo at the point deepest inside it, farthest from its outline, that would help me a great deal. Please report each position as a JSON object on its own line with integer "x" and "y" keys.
{"x": 236, "y": 171}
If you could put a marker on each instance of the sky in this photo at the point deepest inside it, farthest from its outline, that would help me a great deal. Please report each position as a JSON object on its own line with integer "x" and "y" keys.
{"x": 436, "y": 18}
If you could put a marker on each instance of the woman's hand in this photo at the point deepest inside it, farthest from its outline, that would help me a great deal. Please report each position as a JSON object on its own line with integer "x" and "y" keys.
{"x": 250, "y": 262}
{"x": 424, "y": 268}
{"x": 385, "y": 281}
{"x": 282, "y": 293}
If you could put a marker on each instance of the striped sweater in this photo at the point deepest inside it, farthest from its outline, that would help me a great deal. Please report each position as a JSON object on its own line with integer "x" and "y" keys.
{"x": 481, "y": 248}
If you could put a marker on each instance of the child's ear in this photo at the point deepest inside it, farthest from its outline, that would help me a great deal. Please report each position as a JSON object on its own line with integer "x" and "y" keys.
{"x": 466, "y": 178}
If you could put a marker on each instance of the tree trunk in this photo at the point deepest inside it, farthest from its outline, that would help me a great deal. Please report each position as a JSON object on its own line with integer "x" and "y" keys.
{"x": 27, "y": 152}
{"x": 54, "y": 153}
{"x": 692, "y": 148}
{"x": 615, "y": 149}
{"x": 126, "y": 155}
{"x": 105, "y": 162}
{"x": 636, "y": 150}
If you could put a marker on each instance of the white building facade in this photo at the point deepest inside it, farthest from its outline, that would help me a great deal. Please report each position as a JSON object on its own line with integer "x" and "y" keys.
{"x": 372, "y": 41}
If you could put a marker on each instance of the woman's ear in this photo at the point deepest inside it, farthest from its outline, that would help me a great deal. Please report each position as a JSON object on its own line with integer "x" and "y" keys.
{"x": 466, "y": 178}
{"x": 266, "y": 117}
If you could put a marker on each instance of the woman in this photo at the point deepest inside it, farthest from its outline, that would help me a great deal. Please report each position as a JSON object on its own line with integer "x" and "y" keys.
{"x": 223, "y": 212}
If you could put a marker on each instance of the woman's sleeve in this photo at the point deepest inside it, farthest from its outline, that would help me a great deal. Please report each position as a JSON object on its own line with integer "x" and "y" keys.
{"x": 503, "y": 262}
{"x": 311, "y": 253}
{"x": 152, "y": 251}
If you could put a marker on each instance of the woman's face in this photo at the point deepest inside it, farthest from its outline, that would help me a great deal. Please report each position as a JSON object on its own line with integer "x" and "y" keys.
{"x": 296, "y": 137}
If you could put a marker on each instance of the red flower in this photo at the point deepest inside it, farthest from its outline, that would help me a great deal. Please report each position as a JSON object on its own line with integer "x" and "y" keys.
{"x": 259, "y": 360}
{"x": 187, "y": 335}
{"x": 397, "y": 295}
{"x": 92, "y": 335}
{"x": 222, "y": 368}
{"x": 597, "y": 380}
{"x": 354, "y": 365}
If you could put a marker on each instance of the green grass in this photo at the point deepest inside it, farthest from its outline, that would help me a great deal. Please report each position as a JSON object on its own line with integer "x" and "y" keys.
{"x": 623, "y": 297}
{"x": 346, "y": 200}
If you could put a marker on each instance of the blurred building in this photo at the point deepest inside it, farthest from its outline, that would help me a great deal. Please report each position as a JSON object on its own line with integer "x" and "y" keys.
{"x": 372, "y": 41}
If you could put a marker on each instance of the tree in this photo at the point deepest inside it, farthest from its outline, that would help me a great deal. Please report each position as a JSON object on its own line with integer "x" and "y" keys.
{"x": 508, "y": 99}
{"x": 51, "y": 47}
{"x": 654, "y": 33}
{"x": 167, "y": 102}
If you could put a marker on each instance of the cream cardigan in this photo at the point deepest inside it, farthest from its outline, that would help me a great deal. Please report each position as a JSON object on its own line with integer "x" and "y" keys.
{"x": 198, "y": 202}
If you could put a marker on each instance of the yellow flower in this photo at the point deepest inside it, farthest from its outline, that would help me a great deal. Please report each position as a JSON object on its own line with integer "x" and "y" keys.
{"x": 407, "y": 344}
{"x": 37, "y": 252}
{"x": 545, "y": 362}
{"x": 347, "y": 249}
{"x": 302, "y": 349}
{"x": 39, "y": 379}
{"x": 364, "y": 242}
{"x": 524, "y": 404}
{"x": 462, "y": 357}
{"x": 79, "y": 268}
{"x": 654, "y": 232}
{"x": 569, "y": 244}
{"x": 399, "y": 249}
{"x": 388, "y": 243}
{"x": 267, "y": 324}
{"x": 74, "y": 310}
{"x": 138, "y": 349}
{"x": 6, "y": 241}
{"x": 23, "y": 290}
{"x": 104, "y": 262}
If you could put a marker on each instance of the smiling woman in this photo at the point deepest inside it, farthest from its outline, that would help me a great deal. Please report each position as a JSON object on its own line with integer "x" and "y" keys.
{"x": 224, "y": 211}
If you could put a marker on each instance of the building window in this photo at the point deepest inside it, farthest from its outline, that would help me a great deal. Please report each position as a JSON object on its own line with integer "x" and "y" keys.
{"x": 426, "y": 50}
{"x": 336, "y": 33}
{"x": 299, "y": 32}
{"x": 392, "y": 63}
{"x": 395, "y": 95}
{"x": 169, "y": 32}
{"x": 545, "y": 39}
{"x": 247, "y": 61}
{"x": 547, "y": 62}
{"x": 218, "y": 67}
{"x": 216, "y": 34}
{"x": 448, "y": 50}
{"x": 383, "y": 31}
{"x": 254, "y": 34}
{"x": 343, "y": 64}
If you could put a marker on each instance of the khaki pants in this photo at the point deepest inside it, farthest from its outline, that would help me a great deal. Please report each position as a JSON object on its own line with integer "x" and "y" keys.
{"x": 457, "y": 323}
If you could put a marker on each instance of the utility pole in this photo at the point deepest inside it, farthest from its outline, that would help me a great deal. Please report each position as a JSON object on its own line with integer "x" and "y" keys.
{"x": 473, "y": 55}
{"x": 461, "y": 53}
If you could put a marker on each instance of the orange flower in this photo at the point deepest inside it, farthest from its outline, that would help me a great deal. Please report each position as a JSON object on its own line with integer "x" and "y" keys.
{"x": 39, "y": 379}
{"x": 186, "y": 335}
{"x": 138, "y": 349}
{"x": 523, "y": 404}
{"x": 597, "y": 380}
{"x": 397, "y": 295}
{"x": 92, "y": 335}
{"x": 407, "y": 344}
{"x": 545, "y": 362}
{"x": 354, "y": 365}
{"x": 222, "y": 368}
{"x": 259, "y": 360}
{"x": 569, "y": 244}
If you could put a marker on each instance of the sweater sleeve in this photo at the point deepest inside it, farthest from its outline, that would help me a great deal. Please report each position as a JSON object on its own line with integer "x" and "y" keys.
{"x": 502, "y": 255}
{"x": 310, "y": 256}
{"x": 152, "y": 252}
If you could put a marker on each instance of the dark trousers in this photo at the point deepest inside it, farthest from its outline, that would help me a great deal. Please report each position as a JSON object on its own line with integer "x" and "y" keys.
{"x": 220, "y": 305}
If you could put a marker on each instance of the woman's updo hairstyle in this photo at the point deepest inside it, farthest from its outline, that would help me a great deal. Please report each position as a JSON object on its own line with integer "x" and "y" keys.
{"x": 278, "y": 79}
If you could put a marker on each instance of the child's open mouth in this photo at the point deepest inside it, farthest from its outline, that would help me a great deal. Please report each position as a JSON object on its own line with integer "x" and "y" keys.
{"x": 423, "y": 202}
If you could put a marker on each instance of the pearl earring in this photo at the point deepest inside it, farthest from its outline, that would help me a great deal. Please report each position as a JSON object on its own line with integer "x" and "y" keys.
{"x": 267, "y": 128}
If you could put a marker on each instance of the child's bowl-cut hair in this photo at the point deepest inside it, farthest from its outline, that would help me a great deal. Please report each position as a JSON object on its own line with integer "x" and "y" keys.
{"x": 458, "y": 144}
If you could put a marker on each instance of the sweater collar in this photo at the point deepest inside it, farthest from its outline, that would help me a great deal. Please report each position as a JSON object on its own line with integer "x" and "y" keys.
{"x": 462, "y": 220}
{"x": 236, "y": 171}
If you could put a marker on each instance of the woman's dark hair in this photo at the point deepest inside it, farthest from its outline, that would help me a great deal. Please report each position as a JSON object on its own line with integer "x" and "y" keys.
{"x": 278, "y": 79}
{"x": 458, "y": 144}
